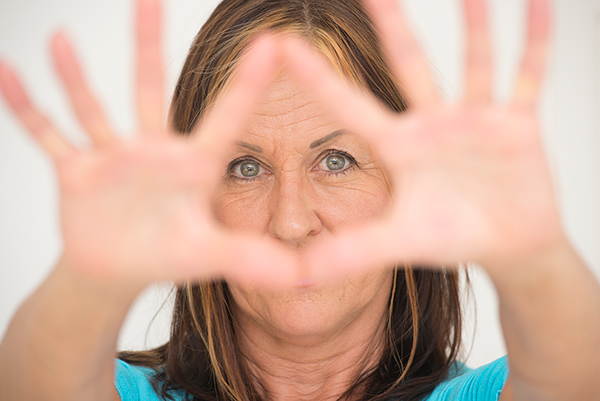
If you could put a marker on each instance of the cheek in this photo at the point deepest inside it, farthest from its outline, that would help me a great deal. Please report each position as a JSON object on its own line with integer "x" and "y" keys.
{"x": 355, "y": 202}
{"x": 243, "y": 210}
{"x": 347, "y": 203}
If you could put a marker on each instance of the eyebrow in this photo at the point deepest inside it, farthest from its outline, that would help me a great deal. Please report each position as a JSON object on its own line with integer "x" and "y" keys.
{"x": 247, "y": 145}
{"x": 318, "y": 142}
{"x": 326, "y": 138}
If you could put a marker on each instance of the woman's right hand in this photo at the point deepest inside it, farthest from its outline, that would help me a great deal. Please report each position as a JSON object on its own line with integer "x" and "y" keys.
{"x": 139, "y": 209}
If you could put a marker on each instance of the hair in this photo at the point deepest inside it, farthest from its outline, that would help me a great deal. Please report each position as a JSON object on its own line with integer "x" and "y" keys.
{"x": 424, "y": 319}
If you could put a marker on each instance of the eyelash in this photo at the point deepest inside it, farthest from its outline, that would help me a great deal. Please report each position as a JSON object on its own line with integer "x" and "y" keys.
{"x": 238, "y": 162}
{"x": 329, "y": 152}
{"x": 334, "y": 152}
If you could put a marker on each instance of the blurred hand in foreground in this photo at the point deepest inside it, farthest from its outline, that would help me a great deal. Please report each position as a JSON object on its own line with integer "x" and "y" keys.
{"x": 139, "y": 209}
{"x": 470, "y": 179}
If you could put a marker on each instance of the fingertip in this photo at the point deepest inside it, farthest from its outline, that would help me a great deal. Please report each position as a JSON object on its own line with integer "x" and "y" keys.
{"x": 540, "y": 13}
{"x": 5, "y": 69}
{"x": 148, "y": 18}
{"x": 265, "y": 38}
{"x": 540, "y": 7}
{"x": 294, "y": 45}
{"x": 535, "y": 59}
{"x": 151, "y": 6}
{"x": 10, "y": 86}
{"x": 475, "y": 11}
{"x": 59, "y": 37}
{"x": 539, "y": 19}
{"x": 60, "y": 45}
{"x": 262, "y": 49}
{"x": 302, "y": 58}
{"x": 5, "y": 76}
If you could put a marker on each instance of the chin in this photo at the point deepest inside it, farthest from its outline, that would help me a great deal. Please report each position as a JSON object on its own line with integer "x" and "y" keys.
{"x": 309, "y": 311}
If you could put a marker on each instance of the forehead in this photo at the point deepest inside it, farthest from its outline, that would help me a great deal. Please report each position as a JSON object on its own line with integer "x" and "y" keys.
{"x": 289, "y": 113}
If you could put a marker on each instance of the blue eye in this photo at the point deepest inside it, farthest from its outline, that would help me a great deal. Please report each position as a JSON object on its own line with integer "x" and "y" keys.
{"x": 245, "y": 169}
{"x": 249, "y": 169}
{"x": 335, "y": 162}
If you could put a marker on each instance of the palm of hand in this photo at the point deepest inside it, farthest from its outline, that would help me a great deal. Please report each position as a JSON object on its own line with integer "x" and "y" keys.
{"x": 471, "y": 184}
{"x": 470, "y": 180}
{"x": 140, "y": 209}
{"x": 136, "y": 204}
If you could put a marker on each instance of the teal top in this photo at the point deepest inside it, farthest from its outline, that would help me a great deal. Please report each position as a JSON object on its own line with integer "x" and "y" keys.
{"x": 463, "y": 384}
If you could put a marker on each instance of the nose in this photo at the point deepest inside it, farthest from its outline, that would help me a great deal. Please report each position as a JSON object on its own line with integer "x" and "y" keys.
{"x": 293, "y": 217}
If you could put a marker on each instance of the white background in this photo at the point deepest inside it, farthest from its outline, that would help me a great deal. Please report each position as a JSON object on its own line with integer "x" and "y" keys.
{"x": 102, "y": 31}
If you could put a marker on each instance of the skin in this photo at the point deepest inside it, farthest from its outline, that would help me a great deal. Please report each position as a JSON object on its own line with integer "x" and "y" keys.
{"x": 485, "y": 160}
{"x": 142, "y": 210}
{"x": 297, "y": 338}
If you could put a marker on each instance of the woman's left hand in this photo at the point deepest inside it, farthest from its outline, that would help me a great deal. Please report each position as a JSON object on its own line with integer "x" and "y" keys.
{"x": 470, "y": 179}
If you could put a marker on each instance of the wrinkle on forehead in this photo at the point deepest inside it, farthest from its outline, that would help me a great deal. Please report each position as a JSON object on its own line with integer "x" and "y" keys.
{"x": 285, "y": 97}
{"x": 289, "y": 124}
{"x": 287, "y": 119}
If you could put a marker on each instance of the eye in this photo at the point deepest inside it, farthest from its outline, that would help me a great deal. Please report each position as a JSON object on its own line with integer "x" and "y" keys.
{"x": 336, "y": 162}
{"x": 248, "y": 169}
{"x": 245, "y": 169}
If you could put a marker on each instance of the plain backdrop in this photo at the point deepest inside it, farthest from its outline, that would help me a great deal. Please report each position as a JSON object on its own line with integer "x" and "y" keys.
{"x": 102, "y": 31}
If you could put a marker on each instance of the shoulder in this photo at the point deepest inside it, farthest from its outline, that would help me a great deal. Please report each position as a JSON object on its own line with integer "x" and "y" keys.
{"x": 134, "y": 383}
{"x": 482, "y": 384}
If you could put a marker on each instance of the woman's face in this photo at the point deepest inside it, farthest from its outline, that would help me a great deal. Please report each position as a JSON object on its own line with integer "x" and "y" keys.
{"x": 297, "y": 177}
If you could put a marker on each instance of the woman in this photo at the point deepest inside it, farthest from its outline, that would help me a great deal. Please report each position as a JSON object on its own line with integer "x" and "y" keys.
{"x": 277, "y": 191}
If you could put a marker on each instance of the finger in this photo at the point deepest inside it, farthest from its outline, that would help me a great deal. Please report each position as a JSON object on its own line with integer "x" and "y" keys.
{"x": 224, "y": 121}
{"x": 150, "y": 78}
{"x": 478, "y": 79}
{"x": 378, "y": 245}
{"x": 352, "y": 252}
{"x": 35, "y": 122}
{"x": 534, "y": 61}
{"x": 256, "y": 260}
{"x": 234, "y": 256}
{"x": 84, "y": 104}
{"x": 355, "y": 109}
{"x": 403, "y": 53}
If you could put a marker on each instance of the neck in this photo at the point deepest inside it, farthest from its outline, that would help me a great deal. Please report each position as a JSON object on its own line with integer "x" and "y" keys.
{"x": 317, "y": 368}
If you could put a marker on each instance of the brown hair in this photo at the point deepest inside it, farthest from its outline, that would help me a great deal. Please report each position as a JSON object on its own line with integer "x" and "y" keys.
{"x": 424, "y": 319}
